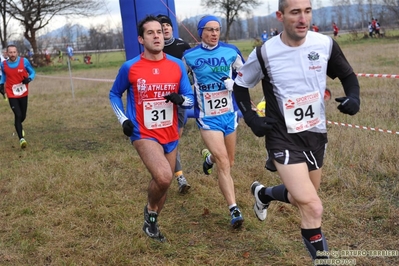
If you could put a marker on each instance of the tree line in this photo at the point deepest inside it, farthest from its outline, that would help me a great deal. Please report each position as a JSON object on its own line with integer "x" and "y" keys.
{"x": 35, "y": 15}
{"x": 239, "y": 22}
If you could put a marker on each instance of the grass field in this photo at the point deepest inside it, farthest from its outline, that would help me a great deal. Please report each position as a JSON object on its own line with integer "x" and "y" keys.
{"x": 75, "y": 195}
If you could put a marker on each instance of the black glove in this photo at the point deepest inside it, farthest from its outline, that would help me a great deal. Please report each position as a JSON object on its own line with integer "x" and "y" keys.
{"x": 260, "y": 126}
{"x": 2, "y": 89}
{"x": 174, "y": 98}
{"x": 127, "y": 127}
{"x": 348, "y": 105}
{"x": 26, "y": 80}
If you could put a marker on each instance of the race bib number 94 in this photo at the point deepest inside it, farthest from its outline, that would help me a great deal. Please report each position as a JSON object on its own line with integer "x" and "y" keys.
{"x": 302, "y": 112}
{"x": 158, "y": 114}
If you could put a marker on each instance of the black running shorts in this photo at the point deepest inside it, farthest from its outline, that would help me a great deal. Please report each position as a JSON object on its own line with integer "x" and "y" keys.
{"x": 314, "y": 159}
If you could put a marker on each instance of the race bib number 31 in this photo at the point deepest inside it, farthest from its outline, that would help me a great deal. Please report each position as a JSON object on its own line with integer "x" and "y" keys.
{"x": 302, "y": 112}
{"x": 158, "y": 114}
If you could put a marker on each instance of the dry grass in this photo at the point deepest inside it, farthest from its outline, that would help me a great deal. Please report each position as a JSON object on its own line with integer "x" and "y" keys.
{"x": 75, "y": 196}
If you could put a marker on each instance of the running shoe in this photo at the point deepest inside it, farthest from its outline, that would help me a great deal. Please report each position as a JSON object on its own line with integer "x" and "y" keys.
{"x": 23, "y": 143}
{"x": 183, "y": 185}
{"x": 236, "y": 218}
{"x": 207, "y": 168}
{"x": 259, "y": 207}
{"x": 150, "y": 226}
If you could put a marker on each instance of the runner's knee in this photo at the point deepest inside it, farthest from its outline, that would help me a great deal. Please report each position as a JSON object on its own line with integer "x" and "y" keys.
{"x": 164, "y": 179}
{"x": 313, "y": 208}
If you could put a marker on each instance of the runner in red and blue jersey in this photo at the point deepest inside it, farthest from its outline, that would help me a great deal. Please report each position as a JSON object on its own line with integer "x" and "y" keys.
{"x": 156, "y": 84}
{"x": 17, "y": 72}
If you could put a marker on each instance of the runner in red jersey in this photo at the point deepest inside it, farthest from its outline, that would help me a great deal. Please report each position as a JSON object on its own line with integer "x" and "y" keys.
{"x": 156, "y": 84}
{"x": 17, "y": 72}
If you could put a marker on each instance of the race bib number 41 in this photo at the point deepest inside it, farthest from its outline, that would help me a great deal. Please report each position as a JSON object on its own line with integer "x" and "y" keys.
{"x": 302, "y": 112}
{"x": 158, "y": 114}
{"x": 19, "y": 89}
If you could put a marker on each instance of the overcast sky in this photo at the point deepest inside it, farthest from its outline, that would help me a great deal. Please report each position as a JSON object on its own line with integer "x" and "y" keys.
{"x": 184, "y": 9}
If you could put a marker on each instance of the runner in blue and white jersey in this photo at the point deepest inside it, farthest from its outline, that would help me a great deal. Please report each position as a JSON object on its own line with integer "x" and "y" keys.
{"x": 214, "y": 63}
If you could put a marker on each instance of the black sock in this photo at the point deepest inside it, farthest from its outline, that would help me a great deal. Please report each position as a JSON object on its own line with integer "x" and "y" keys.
{"x": 279, "y": 193}
{"x": 314, "y": 241}
{"x": 232, "y": 208}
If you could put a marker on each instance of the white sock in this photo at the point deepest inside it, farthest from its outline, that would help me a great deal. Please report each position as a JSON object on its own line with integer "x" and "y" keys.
{"x": 208, "y": 160}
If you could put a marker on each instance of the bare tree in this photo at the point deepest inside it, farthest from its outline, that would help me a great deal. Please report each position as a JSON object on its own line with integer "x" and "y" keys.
{"x": 360, "y": 9}
{"x": 253, "y": 31}
{"x": 322, "y": 19}
{"x": 371, "y": 3}
{"x": 99, "y": 38}
{"x": 230, "y": 9}
{"x": 67, "y": 34}
{"x": 186, "y": 27}
{"x": 341, "y": 13}
{"x": 4, "y": 23}
{"x": 119, "y": 41}
{"x": 393, "y": 6}
{"x": 37, "y": 14}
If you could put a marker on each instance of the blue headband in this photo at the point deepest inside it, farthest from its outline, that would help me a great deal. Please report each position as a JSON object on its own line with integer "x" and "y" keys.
{"x": 203, "y": 21}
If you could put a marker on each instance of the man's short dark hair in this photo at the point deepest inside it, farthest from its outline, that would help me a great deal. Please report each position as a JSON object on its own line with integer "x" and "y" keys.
{"x": 11, "y": 45}
{"x": 148, "y": 18}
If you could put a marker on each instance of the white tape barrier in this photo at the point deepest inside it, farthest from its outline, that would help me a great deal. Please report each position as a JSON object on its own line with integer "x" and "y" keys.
{"x": 190, "y": 113}
{"x": 378, "y": 75}
{"x": 78, "y": 78}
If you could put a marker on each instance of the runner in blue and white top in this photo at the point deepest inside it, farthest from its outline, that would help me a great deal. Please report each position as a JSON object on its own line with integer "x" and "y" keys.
{"x": 214, "y": 65}
{"x": 210, "y": 66}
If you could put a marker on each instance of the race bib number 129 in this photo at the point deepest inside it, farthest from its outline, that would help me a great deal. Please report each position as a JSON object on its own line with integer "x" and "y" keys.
{"x": 217, "y": 102}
